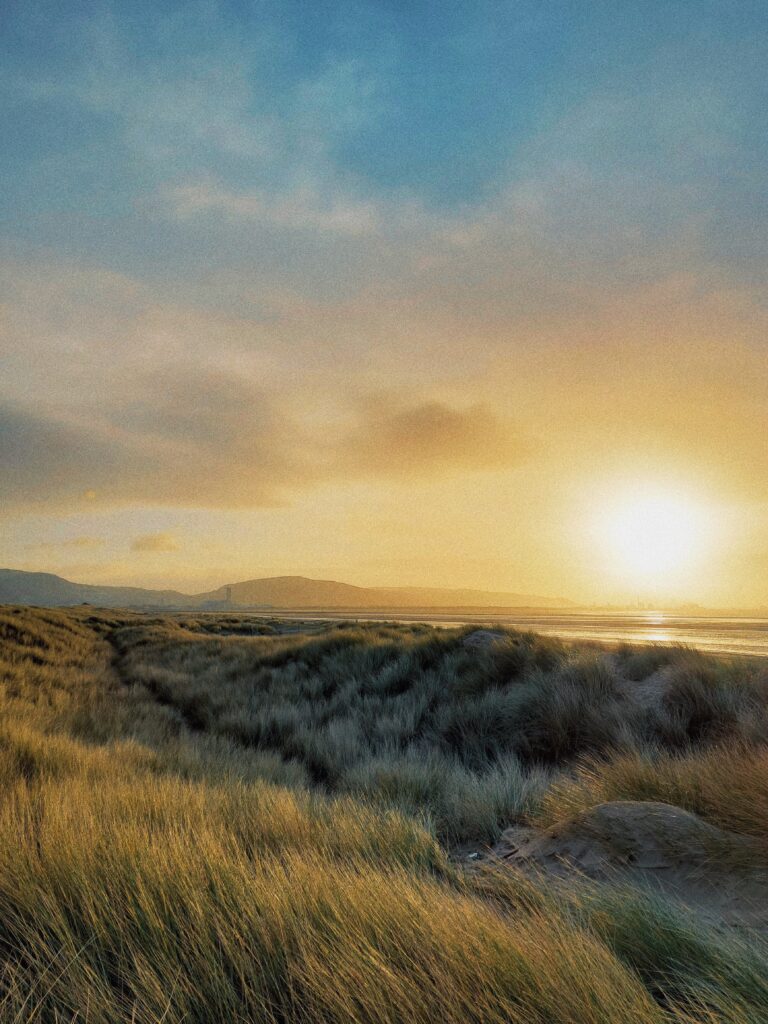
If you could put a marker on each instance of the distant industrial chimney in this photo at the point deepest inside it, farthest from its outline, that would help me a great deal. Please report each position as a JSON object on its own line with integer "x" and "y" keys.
{"x": 229, "y": 597}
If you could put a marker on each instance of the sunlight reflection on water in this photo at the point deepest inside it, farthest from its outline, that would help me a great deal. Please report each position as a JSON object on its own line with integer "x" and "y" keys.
{"x": 659, "y": 636}
{"x": 716, "y": 634}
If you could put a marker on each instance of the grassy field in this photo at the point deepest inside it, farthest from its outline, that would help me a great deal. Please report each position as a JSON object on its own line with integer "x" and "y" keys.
{"x": 209, "y": 819}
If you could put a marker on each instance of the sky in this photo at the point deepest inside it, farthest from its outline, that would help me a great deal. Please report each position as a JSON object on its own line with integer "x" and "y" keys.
{"x": 451, "y": 294}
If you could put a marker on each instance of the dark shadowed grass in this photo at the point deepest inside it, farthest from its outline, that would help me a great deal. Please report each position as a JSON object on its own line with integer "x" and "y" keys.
{"x": 638, "y": 663}
{"x": 421, "y": 718}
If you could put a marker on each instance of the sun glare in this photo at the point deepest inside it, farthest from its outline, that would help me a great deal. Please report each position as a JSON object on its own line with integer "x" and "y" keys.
{"x": 654, "y": 537}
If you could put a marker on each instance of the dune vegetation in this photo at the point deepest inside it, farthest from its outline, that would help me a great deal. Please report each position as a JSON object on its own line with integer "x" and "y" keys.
{"x": 215, "y": 818}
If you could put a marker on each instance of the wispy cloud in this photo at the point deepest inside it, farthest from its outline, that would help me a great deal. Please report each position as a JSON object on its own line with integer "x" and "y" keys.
{"x": 207, "y": 439}
{"x": 155, "y": 543}
{"x": 303, "y": 208}
{"x": 393, "y": 439}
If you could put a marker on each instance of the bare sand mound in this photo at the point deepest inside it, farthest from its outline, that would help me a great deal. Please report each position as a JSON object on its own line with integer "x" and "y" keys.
{"x": 484, "y": 638}
{"x": 722, "y": 874}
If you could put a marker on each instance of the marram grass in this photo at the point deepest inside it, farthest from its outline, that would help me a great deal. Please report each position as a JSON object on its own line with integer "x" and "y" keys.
{"x": 161, "y": 867}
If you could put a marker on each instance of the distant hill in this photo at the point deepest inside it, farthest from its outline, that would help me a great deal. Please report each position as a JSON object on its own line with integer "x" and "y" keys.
{"x": 43, "y": 588}
{"x": 280, "y": 592}
{"x": 301, "y": 592}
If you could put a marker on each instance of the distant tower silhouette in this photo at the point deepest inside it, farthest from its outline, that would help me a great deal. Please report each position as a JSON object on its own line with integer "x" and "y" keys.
{"x": 229, "y": 597}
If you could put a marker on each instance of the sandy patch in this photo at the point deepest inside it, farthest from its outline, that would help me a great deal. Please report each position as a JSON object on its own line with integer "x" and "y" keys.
{"x": 482, "y": 639}
{"x": 720, "y": 874}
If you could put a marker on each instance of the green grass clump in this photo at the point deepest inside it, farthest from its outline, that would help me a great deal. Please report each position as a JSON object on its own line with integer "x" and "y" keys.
{"x": 696, "y": 973}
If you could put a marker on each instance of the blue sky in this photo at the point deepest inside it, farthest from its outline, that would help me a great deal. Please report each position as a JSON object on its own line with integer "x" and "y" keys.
{"x": 345, "y": 220}
{"x": 105, "y": 105}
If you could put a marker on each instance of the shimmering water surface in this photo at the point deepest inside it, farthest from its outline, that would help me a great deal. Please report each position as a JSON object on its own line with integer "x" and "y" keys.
{"x": 746, "y": 636}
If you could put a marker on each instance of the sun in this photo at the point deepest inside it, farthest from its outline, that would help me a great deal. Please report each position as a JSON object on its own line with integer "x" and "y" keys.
{"x": 654, "y": 537}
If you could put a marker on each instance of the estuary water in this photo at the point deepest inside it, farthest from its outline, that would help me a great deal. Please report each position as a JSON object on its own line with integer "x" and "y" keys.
{"x": 745, "y": 636}
{"x": 718, "y": 635}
